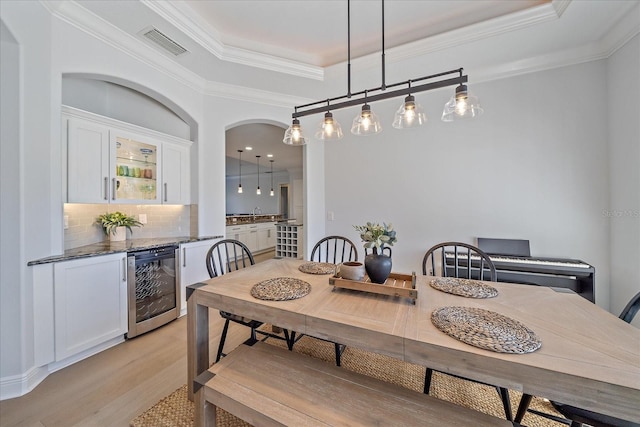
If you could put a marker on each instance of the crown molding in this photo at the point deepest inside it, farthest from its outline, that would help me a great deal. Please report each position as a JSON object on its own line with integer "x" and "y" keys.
{"x": 183, "y": 18}
{"x": 88, "y": 22}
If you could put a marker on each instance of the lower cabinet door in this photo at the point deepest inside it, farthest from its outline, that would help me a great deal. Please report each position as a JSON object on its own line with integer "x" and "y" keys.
{"x": 193, "y": 267}
{"x": 90, "y": 297}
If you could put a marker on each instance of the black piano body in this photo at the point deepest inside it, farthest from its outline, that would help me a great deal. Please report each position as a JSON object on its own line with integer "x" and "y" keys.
{"x": 514, "y": 264}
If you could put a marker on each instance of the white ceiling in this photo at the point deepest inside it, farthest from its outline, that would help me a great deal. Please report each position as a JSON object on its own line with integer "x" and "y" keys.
{"x": 234, "y": 41}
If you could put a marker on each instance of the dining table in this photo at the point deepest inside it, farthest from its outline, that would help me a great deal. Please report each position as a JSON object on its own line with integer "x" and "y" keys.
{"x": 587, "y": 357}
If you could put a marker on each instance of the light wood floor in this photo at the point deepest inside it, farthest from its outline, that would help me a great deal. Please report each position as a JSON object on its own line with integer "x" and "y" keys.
{"x": 114, "y": 386}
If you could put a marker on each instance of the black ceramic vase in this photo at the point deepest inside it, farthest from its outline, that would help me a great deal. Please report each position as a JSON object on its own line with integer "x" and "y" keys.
{"x": 378, "y": 265}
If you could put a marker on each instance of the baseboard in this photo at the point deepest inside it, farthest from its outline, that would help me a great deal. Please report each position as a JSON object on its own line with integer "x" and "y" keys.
{"x": 19, "y": 385}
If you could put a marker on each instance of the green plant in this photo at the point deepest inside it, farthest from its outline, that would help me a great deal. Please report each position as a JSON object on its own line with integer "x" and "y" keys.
{"x": 111, "y": 220}
{"x": 376, "y": 235}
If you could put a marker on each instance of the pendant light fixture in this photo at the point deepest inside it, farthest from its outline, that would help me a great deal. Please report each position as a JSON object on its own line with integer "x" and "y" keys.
{"x": 462, "y": 105}
{"x": 240, "y": 169}
{"x": 329, "y": 127}
{"x": 272, "y": 193}
{"x": 258, "y": 191}
{"x": 293, "y": 135}
{"x": 367, "y": 122}
{"x": 410, "y": 114}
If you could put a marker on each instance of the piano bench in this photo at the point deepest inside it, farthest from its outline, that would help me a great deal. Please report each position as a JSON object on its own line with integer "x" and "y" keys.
{"x": 269, "y": 386}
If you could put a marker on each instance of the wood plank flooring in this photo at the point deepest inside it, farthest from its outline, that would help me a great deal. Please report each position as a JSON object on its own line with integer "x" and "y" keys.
{"x": 114, "y": 386}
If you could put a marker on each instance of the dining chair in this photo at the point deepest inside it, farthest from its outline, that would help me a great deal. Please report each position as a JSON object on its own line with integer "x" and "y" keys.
{"x": 452, "y": 259}
{"x": 334, "y": 250}
{"x": 574, "y": 416}
{"x": 224, "y": 257}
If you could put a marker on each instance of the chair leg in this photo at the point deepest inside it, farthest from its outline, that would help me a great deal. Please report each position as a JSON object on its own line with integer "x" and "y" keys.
{"x": 338, "y": 354}
{"x": 522, "y": 407}
{"x": 506, "y": 402}
{"x": 427, "y": 380}
{"x": 222, "y": 338}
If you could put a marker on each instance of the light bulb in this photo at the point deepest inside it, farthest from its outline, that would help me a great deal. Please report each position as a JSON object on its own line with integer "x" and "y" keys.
{"x": 240, "y": 189}
{"x": 258, "y": 192}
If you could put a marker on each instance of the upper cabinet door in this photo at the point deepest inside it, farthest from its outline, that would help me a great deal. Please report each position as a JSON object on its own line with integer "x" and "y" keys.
{"x": 136, "y": 168}
{"x": 175, "y": 174}
{"x": 88, "y": 162}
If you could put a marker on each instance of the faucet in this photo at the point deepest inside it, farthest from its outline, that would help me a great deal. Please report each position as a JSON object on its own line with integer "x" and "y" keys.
{"x": 257, "y": 211}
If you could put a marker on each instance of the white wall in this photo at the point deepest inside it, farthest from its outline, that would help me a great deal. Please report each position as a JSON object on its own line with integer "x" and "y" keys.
{"x": 623, "y": 210}
{"x": 245, "y": 203}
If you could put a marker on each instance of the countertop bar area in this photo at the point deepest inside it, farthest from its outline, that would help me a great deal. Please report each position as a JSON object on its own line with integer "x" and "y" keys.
{"x": 107, "y": 247}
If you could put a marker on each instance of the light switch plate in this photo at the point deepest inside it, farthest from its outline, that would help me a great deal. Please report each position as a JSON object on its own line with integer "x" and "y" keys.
{"x": 66, "y": 222}
{"x": 330, "y": 216}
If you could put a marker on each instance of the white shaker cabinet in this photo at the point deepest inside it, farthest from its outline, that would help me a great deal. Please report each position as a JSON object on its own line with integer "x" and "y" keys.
{"x": 193, "y": 267}
{"x": 175, "y": 174}
{"x": 90, "y": 303}
{"x": 88, "y": 154}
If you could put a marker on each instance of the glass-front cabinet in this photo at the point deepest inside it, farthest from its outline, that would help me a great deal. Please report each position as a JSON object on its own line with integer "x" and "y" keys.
{"x": 136, "y": 170}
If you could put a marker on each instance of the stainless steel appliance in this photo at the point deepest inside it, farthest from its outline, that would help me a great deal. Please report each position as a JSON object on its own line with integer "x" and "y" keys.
{"x": 154, "y": 288}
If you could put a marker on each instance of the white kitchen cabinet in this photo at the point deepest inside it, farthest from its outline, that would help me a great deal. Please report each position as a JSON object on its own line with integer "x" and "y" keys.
{"x": 90, "y": 300}
{"x": 193, "y": 267}
{"x": 266, "y": 235}
{"x": 109, "y": 161}
{"x": 258, "y": 237}
{"x": 175, "y": 174}
{"x": 88, "y": 154}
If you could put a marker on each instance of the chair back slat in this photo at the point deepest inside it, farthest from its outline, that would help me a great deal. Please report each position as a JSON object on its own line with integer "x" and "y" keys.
{"x": 334, "y": 249}
{"x": 228, "y": 255}
{"x": 457, "y": 259}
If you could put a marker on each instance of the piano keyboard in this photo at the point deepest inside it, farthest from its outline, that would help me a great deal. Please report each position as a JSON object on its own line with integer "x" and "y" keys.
{"x": 533, "y": 261}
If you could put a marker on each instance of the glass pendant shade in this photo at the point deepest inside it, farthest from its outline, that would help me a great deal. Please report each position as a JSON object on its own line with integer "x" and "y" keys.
{"x": 409, "y": 114}
{"x": 293, "y": 135}
{"x": 272, "y": 193}
{"x": 239, "y": 188}
{"x": 461, "y": 106}
{"x": 366, "y": 123}
{"x": 329, "y": 128}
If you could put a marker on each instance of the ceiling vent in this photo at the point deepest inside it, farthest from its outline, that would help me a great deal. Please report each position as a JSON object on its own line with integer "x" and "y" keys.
{"x": 163, "y": 41}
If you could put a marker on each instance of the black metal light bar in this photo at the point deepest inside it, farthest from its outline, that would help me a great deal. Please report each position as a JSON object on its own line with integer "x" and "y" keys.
{"x": 326, "y": 103}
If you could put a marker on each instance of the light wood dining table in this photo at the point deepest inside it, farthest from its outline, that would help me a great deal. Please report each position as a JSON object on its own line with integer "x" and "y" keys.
{"x": 589, "y": 358}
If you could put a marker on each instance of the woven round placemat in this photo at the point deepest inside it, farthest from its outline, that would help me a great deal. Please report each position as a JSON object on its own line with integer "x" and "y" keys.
{"x": 464, "y": 287}
{"x": 317, "y": 268}
{"x": 280, "y": 289}
{"x": 486, "y": 329}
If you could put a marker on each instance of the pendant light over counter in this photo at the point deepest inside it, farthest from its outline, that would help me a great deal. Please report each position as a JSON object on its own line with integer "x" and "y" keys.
{"x": 410, "y": 114}
{"x": 258, "y": 191}
{"x": 272, "y": 193}
{"x": 240, "y": 169}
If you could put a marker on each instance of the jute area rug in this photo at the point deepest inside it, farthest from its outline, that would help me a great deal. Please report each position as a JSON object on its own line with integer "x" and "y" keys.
{"x": 176, "y": 410}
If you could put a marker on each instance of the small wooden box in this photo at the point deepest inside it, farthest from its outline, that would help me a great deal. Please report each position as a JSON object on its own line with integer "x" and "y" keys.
{"x": 398, "y": 285}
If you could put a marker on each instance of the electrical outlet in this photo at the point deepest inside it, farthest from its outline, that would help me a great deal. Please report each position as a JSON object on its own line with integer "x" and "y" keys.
{"x": 142, "y": 218}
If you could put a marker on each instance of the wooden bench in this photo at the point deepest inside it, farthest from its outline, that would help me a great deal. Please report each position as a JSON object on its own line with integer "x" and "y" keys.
{"x": 269, "y": 386}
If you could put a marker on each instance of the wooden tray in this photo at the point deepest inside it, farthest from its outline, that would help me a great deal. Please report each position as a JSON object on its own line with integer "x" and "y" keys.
{"x": 398, "y": 285}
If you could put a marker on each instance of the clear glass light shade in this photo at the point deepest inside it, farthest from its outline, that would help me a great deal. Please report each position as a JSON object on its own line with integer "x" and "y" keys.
{"x": 409, "y": 114}
{"x": 461, "y": 106}
{"x": 293, "y": 135}
{"x": 272, "y": 193}
{"x": 258, "y": 191}
{"x": 366, "y": 123}
{"x": 329, "y": 128}
{"x": 240, "y": 189}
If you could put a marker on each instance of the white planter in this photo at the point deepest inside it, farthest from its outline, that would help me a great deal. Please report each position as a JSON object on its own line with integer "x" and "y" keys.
{"x": 120, "y": 234}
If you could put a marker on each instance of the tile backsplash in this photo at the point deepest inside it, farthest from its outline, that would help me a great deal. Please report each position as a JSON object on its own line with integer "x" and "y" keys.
{"x": 162, "y": 221}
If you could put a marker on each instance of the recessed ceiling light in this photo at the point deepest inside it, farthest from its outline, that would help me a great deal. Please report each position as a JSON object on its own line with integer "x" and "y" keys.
{"x": 248, "y": 148}
{"x": 269, "y": 155}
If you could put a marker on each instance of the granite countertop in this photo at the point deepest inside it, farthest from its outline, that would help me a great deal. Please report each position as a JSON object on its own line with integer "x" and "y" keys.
{"x": 106, "y": 248}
